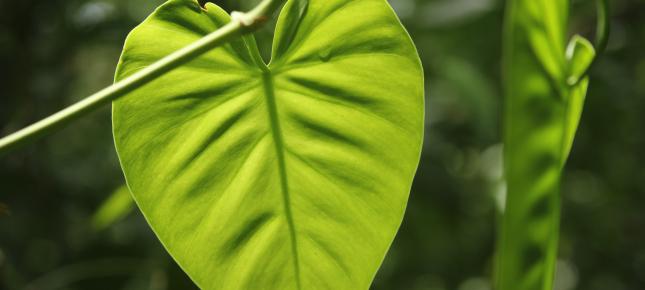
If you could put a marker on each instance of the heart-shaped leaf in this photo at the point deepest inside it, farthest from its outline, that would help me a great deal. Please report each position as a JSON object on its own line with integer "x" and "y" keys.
{"x": 293, "y": 175}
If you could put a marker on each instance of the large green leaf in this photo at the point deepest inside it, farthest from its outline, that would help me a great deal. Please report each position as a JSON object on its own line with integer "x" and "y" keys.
{"x": 542, "y": 111}
{"x": 293, "y": 175}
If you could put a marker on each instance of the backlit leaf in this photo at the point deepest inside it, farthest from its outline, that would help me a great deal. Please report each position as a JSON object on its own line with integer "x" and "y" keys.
{"x": 292, "y": 175}
{"x": 541, "y": 115}
{"x": 580, "y": 55}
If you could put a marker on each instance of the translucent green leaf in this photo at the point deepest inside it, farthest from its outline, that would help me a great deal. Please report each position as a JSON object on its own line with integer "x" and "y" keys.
{"x": 293, "y": 175}
{"x": 580, "y": 55}
{"x": 113, "y": 209}
{"x": 542, "y": 111}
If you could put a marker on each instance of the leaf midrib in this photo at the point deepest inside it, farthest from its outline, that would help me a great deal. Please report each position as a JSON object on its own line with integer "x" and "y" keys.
{"x": 278, "y": 140}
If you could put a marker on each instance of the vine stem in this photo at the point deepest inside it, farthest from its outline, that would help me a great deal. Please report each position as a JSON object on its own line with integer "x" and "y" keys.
{"x": 602, "y": 38}
{"x": 602, "y": 25}
{"x": 241, "y": 23}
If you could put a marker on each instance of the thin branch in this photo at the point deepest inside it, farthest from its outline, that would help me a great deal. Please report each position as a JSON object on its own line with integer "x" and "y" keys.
{"x": 241, "y": 23}
{"x": 602, "y": 26}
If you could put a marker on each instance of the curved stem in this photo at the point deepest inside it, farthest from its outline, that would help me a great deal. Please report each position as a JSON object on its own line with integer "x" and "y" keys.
{"x": 602, "y": 26}
{"x": 602, "y": 37}
{"x": 244, "y": 23}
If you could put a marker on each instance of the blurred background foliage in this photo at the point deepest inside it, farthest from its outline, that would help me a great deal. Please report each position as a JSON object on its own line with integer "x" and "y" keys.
{"x": 58, "y": 231}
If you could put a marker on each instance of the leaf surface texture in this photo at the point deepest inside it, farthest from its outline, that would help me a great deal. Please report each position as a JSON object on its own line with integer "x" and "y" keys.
{"x": 292, "y": 175}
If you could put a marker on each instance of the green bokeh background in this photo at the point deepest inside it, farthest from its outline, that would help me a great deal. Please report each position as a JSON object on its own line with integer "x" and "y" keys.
{"x": 52, "y": 53}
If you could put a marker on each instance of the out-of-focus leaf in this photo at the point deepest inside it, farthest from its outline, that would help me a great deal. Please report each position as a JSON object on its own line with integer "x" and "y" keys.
{"x": 293, "y": 175}
{"x": 113, "y": 209}
{"x": 541, "y": 116}
{"x": 580, "y": 55}
{"x": 473, "y": 92}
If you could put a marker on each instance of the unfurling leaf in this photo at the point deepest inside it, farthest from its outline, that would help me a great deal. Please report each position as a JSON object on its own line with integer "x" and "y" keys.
{"x": 292, "y": 175}
{"x": 580, "y": 55}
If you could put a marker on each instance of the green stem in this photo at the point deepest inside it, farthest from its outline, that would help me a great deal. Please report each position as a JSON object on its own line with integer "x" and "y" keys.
{"x": 242, "y": 23}
{"x": 602, "y": 37}
{"x": 602, "y": 26}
